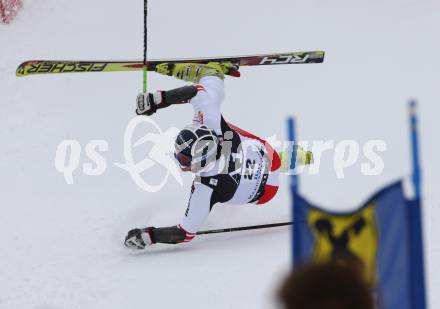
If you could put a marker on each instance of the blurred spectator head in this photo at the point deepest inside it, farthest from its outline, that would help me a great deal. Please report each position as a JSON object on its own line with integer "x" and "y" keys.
{"x": 331, "y": 285}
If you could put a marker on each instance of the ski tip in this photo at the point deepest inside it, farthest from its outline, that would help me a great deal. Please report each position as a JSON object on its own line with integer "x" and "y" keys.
{"x": 20, "y": 72}
{"x": 319, "y": 56}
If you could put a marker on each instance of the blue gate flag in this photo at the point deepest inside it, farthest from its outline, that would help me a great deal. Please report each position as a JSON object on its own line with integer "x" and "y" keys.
{"x": 383, "y": 234}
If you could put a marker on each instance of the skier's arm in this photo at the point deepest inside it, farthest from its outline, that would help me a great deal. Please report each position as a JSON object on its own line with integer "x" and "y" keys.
{"x": 149, "y": 103}
{"x": 200, "y": 203}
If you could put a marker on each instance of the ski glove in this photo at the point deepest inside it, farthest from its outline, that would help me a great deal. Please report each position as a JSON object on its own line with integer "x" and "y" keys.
{"x": 194, "y": 72}
{"x": 139, "y": 238}
{"x": 147, "y": 103}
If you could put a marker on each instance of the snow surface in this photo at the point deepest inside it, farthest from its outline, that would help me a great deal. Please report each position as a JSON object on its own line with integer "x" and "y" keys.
{"x": 62, "y": 244}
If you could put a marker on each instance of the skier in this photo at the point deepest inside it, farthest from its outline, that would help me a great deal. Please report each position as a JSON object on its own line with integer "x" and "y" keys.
{"x": 230, "y": 165}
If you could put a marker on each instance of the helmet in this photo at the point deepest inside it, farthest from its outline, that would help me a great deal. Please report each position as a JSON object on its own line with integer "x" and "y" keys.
{"x": 196, "y": 147}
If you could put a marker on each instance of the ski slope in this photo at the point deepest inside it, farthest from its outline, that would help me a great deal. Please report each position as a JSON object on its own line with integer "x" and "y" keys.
{"x": 62, "y": 245}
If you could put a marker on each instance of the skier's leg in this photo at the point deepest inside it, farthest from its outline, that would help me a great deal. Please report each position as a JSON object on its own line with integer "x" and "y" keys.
{"x": 270, "y": 151}
{"x": 207, "y": 103}
{"x": 271, "y": 187}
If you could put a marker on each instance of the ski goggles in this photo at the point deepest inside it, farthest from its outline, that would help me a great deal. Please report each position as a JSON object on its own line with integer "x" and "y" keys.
{"x": 184, "y": 160}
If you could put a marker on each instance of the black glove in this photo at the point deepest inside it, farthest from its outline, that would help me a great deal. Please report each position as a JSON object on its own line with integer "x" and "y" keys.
{"x": 147, "y": 103}
{"x": 139, "y": 238}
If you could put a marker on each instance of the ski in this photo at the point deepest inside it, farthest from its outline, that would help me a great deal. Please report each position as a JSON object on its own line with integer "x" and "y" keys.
{"x": 33, "y": 67}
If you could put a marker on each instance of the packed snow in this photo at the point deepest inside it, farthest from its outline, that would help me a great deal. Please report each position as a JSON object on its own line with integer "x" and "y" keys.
{"x": 62, "y": 244}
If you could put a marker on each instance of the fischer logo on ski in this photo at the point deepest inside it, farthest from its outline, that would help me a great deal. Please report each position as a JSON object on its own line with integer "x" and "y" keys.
{"x": 62, "y": 67}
